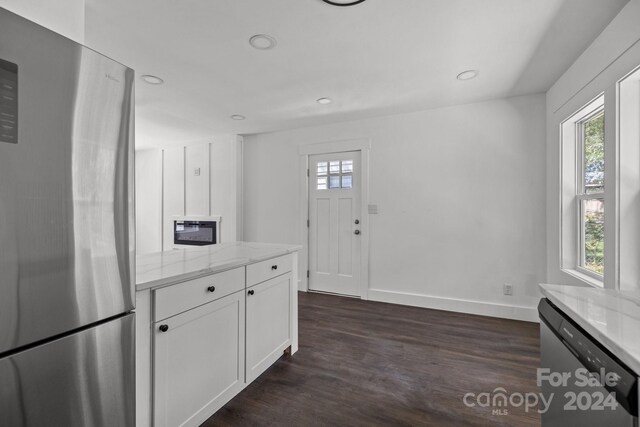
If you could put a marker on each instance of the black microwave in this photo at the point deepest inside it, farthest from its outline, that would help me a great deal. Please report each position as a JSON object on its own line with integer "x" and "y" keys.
{"x": 195, "y": 233}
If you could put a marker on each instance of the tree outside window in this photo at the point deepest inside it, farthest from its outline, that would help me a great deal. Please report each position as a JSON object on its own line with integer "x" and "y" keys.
{"x": 591, "y": 193}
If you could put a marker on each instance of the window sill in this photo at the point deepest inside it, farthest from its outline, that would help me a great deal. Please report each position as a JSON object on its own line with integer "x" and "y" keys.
{"x": 591, "y": 281}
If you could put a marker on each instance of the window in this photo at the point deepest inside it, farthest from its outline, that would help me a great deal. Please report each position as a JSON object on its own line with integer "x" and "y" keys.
{"x": 335, "y": 174}
{"x": 583, "y": 193}
{"x": 626, "y": 224}
{"x": 590, "y": 195}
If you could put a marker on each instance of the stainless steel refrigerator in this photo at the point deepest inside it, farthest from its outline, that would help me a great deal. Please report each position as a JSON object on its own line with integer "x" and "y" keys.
{"x": 66, "y": 232}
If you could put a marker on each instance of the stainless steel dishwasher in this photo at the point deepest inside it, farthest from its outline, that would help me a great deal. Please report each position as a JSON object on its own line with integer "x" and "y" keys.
{"x": 586, "y": 384}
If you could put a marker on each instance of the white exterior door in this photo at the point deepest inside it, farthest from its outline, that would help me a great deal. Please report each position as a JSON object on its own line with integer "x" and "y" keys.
{"x": 334, "y": 222}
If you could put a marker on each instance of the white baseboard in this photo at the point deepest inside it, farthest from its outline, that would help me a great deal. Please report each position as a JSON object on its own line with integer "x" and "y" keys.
{"x": 529, "y": 314}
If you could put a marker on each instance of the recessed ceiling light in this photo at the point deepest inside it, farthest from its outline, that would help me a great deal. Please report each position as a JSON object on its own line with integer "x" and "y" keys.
{"x": 342, "y": 2}
{"x": 263, "y": 42}
{"x": 152, "y": 80}
{"x": 468, "y": 75}
{"x": 238, "y": 117}
{"x": 324, "y": 101}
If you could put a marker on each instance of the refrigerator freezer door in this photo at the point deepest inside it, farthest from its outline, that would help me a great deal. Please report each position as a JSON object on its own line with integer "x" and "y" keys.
{"x": 66, "y": 185}
{"x": 84, "y": 379}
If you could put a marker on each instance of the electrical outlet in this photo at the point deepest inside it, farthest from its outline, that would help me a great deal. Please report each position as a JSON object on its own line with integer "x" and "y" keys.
{"x": 507, "y": 289}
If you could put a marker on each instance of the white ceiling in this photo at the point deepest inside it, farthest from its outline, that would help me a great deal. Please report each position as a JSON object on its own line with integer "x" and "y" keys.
{"x": 378, "y": 58}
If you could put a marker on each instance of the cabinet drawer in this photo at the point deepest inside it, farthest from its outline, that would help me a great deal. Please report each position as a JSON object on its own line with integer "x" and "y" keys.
{"x": 180, "y": 297}
{"x": 265, "y": 270}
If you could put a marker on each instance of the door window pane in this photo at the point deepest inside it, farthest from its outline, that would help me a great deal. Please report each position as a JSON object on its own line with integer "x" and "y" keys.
{"x": 347, "y": 166}
{"x": 346, "y": 181}
{"x": 334, "y": 166}
{"x": 593, "y": 229}
{"x": 322, "y": 183}
{"x": 593, "y": 133}
{"x": 334, "y": 181}
{"x": 322, "y": 168}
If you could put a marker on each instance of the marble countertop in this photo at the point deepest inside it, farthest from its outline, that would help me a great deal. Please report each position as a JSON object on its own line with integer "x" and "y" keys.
{"x": 612, "y": 317}
{"x": 165, "y": 268}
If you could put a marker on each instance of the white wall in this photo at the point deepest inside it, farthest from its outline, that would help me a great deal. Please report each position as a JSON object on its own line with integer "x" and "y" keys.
{"x": 197, "y": 181}
{"x": 173, "y": 191}
{"x": 609, "y": 58}
{"x": 226, "y": 185}
{"x": 167, "y": 185}
{"x": 148, "y": 201}
{"x": 461, "y": 199}
{"x": 65, "y": 17}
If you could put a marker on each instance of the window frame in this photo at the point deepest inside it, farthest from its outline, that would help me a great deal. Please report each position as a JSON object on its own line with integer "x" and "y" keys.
{"x": 619, "y": 85}
{"x": 571, "y": 192}
{"x": 581, "y": 191}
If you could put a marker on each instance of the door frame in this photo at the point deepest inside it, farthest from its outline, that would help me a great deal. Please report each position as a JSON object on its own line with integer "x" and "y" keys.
{"x": 364, "y": 146}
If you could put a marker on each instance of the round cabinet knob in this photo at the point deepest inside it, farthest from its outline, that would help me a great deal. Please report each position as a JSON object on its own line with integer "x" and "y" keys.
{"x": 357, "y": 221}
{"x": 274, "y": 267}
{"x": 164, "y": 328}
{"x": 356, "y": 232}
{"x": 211, "y": 288}
{"x": 251, "y": 292}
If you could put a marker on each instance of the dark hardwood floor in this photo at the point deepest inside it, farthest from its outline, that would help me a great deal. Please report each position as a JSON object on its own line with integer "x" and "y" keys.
{"x": 365, "y": 363}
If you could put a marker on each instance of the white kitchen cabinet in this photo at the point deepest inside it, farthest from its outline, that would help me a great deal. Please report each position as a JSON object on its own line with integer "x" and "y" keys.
{"x": 198, "y": 361}
{"x": 269, "y": 326}
{"x": 223, "y": 328}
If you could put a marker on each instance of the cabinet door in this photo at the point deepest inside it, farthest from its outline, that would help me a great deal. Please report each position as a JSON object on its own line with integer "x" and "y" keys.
{"x": 268, "y": 323}
{"x": 198, "y": 361}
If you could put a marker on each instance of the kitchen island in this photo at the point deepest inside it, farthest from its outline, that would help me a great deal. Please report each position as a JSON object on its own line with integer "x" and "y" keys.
{"x": 210, "y": 320}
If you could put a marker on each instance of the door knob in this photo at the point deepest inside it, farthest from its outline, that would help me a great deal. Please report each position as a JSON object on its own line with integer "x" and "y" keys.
{"x": 251, "y": 292}
{"x": 357, "y": 221}
{"x": 164, "y": 328}
{"x": 356, "y": 232}
{"x": 211, "y": 288}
